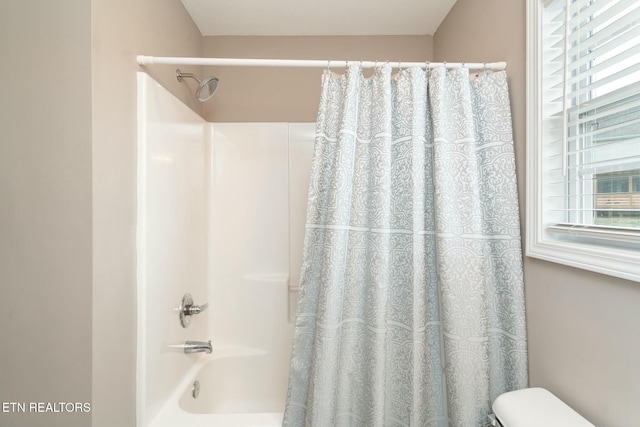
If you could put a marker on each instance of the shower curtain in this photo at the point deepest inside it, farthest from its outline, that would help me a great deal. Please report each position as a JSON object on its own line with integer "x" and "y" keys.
{"x": 411, "y": 311}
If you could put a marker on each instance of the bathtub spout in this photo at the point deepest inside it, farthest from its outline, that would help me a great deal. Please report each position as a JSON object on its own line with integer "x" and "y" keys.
{"x": 197, "y": 347}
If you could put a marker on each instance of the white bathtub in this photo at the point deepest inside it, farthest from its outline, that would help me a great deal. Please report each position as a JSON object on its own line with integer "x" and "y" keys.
{"x": 235, "y": 391}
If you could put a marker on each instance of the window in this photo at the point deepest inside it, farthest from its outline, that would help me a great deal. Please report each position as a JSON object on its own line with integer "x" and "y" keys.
{"x": 583, "y": 134}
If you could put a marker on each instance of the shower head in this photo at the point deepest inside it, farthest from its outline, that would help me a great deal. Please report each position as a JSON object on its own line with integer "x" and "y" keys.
{"x": 206, "y": 87}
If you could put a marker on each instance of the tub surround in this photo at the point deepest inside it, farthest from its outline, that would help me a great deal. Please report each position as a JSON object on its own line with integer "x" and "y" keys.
{"x": 221, "y": 210}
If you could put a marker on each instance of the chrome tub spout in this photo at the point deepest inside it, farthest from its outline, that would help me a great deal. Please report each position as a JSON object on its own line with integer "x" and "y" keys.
{"x": 197, "y": 347}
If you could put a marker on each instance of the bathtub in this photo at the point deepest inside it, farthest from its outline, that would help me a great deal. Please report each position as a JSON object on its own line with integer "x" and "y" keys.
{"x": 235, "y": 391}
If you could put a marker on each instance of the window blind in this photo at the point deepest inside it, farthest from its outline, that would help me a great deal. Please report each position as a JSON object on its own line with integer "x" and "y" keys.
{"x": 591, "y": 116}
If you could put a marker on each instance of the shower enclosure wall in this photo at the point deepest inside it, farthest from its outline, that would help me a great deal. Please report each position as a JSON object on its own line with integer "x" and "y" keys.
{"x": 221, "y": 212}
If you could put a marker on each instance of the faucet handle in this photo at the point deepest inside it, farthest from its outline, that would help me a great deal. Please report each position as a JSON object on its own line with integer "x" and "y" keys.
{"x": 197, "y": 309}
{"x": 188, "y": 308}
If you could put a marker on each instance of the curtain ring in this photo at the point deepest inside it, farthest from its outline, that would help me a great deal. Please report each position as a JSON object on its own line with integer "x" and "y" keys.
{"x": 399, "y": 66}
{"x": 484, "y": 67}
{"x": 329, "y": 65}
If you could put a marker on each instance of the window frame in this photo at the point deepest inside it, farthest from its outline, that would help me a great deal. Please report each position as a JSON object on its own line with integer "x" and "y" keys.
{"x": 612, "y": 251}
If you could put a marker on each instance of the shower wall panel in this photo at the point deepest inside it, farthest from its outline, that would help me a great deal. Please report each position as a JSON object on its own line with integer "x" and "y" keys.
{"x": 249, "y": 236}
{"x": 258, "y": 203}
{"x": 172, "y": 240}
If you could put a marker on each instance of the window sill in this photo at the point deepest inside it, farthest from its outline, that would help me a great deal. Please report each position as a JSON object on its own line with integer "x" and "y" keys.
{"x": 620, "y": 259}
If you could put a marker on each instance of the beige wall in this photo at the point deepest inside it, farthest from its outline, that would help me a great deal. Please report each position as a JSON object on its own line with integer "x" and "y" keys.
{"x": 582, "y": 326}
{"x": 45, "y": 208}
{"x": 291, "y": 94}
{"x": 122, "y": 29}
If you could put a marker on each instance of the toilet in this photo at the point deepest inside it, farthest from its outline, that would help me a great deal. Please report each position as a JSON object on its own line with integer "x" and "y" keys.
{"x": 535, "y": 407}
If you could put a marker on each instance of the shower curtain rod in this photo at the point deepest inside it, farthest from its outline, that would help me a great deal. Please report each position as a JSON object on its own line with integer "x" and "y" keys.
{"x": 311, "y": 63}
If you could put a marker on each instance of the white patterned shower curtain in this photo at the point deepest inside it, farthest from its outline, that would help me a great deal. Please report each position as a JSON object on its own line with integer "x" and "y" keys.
{"x": 411, "y": 310}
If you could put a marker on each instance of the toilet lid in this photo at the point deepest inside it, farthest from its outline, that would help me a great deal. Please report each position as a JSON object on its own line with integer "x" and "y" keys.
{"x": 535, "y": 407}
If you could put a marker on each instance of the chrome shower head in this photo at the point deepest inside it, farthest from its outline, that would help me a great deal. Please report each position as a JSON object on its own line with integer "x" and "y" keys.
{"x": 206, "y": 87}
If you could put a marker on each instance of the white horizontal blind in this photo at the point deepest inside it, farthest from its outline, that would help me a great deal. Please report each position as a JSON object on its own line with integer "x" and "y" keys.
{"x": 591, "y": 115}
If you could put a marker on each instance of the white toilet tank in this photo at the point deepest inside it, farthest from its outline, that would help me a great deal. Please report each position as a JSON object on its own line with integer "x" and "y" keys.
{"x": 535, "y": 407}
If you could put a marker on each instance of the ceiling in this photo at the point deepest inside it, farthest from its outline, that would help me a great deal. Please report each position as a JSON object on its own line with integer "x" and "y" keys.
{"x": 317, "y": 17}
